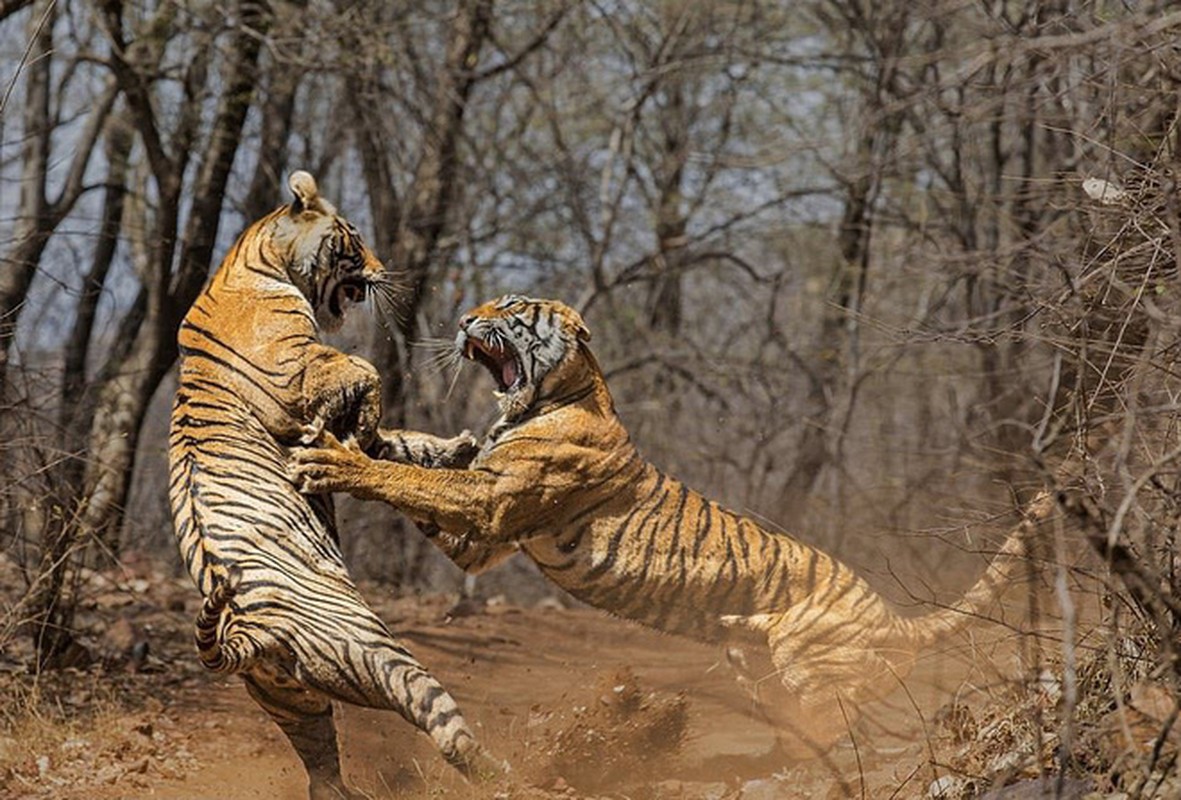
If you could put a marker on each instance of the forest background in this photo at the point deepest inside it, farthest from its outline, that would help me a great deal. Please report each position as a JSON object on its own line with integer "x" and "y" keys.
{"x": 874, "y": 271}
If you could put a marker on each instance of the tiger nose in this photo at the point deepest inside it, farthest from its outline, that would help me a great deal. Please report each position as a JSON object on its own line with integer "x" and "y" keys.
{"x": 465, "y": 321}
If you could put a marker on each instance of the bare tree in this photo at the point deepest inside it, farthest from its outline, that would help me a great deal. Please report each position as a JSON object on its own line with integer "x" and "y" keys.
{"x": 144, "y": 348}
{"x": 39, "y": 214}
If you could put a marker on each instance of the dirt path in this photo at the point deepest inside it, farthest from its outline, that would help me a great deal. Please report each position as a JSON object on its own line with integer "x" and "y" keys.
{"x": 545, "y": 688}
{"x": 519, "y": 677}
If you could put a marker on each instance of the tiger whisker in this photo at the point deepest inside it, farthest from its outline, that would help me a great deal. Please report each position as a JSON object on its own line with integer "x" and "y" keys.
{"x": 443, "y": 357}
{"x": 389, "y": 290}
{"x": 438, "y": 350}
{"x": 433, "y": 343}
{"x": 387, "y": 299}
{"x": 454, "y": 377}
{"x": 437, "y": 366}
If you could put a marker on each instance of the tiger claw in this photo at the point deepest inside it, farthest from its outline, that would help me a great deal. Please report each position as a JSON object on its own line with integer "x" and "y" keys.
{"x": 309, "y": 432}
{"x": 463, "y": 448}
{"x": 301, "y": 480}
{"x": 330, "y": 466}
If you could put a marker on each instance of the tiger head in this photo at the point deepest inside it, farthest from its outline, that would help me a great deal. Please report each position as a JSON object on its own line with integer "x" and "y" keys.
{"x": 531, "y": 347}
{"x": 324, "y": 255}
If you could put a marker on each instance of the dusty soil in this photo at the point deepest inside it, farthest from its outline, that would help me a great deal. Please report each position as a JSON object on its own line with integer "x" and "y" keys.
{"x": 578, "y": 703}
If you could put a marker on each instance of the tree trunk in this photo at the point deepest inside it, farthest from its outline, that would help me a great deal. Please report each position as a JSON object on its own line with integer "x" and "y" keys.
{"x": 425, "y": 210}
{"x": 834, "y": 362}
{"x": 31, "y": 230}
{"x": 664, "y": 296}
{"x": 147, "y": 346}
{"x": 267, "y": 186}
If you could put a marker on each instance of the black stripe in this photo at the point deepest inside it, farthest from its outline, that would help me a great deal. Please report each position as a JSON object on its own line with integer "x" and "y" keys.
{"x": 704, "y": 521}
{"x": 674, "y": 545}
{"x": 206, "y": 333}
{"x": 624, "y": 527}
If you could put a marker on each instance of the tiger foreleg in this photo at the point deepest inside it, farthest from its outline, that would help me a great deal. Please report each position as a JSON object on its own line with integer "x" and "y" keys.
{"x": 749, "y": 627}
{"x": 470, "y": 554}
{"x": 342, "y": 395}
{"x": 424, "y": 449}
{"x": 456, "y": 500}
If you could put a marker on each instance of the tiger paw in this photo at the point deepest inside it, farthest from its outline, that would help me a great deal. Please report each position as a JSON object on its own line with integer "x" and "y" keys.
{"x": 480, "y": 766}
{"x": 460, "y": 450}
{"x": 329, "y": 467}
{"x": 424, "y": 449}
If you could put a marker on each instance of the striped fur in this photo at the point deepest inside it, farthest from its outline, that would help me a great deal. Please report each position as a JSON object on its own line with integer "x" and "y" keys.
{"x": 280, "y": 607}
{"x": 217, "y": 655}
{"x": 559, "y": 479}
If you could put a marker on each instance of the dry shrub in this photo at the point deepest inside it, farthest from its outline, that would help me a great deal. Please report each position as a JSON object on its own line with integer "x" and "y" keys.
{"x": 1117, "y": 734}
{"x": 69, "y": 729}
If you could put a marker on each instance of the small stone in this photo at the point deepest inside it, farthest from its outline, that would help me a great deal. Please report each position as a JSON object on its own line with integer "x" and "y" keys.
{"x": 761, "y": 789}
{"x": 549, "y": 604}
{"x": 943, "y": 788}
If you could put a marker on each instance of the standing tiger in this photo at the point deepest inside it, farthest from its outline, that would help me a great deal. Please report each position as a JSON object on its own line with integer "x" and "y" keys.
{"x": 559, "y": 479}
{"x": 280, "y": 607}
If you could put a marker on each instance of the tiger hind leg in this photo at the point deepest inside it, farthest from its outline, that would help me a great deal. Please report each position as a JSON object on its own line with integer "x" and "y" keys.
{"x": 386, "y": 676}
{"x": 306, "y": 719}
{"x": 801, "y": 733}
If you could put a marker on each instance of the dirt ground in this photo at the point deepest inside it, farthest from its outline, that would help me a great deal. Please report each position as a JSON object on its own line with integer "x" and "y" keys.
{"x": 577, "y": 703}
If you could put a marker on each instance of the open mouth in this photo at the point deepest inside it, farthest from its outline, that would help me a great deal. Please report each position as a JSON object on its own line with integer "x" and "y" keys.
{"x": 500, "y": 360}
{"x": 349, "y": 292}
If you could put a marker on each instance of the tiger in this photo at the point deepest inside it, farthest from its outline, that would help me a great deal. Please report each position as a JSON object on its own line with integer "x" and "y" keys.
{"x": 558, "y": 478}
{"x": 279, "y": 606}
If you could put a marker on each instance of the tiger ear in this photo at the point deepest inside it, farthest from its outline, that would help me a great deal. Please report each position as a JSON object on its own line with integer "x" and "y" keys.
{"x": 581, "y": 332}
{"x": 307, "y": 194}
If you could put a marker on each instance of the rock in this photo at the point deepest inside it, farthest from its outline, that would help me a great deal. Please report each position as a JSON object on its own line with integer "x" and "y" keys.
{"x": 550, "y": 603}
{"x": 945, "y": 788}
{"x": 1042, "y": 789}
{"x": 124, "y": 645}
{"x": 761, "y": 789}
{"x": 108, "y": 774}
{"x": 466, "y": 607}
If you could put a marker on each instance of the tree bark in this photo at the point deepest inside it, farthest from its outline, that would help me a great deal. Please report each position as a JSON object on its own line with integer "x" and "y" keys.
{"x": 664, "y": 296}
{"x": 77, "y": 396}
{"x": 283, "y": 80}
{"x": 32, "y": 229}
{"x": 124, "y": 399}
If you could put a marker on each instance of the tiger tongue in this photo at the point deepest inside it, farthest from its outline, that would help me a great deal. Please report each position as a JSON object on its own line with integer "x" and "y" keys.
{"x": 508, "y": 373}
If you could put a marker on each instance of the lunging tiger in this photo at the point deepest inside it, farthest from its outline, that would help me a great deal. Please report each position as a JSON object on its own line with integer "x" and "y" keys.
{"x": 280, "y": 607}
{"x": 559, "y": 479}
